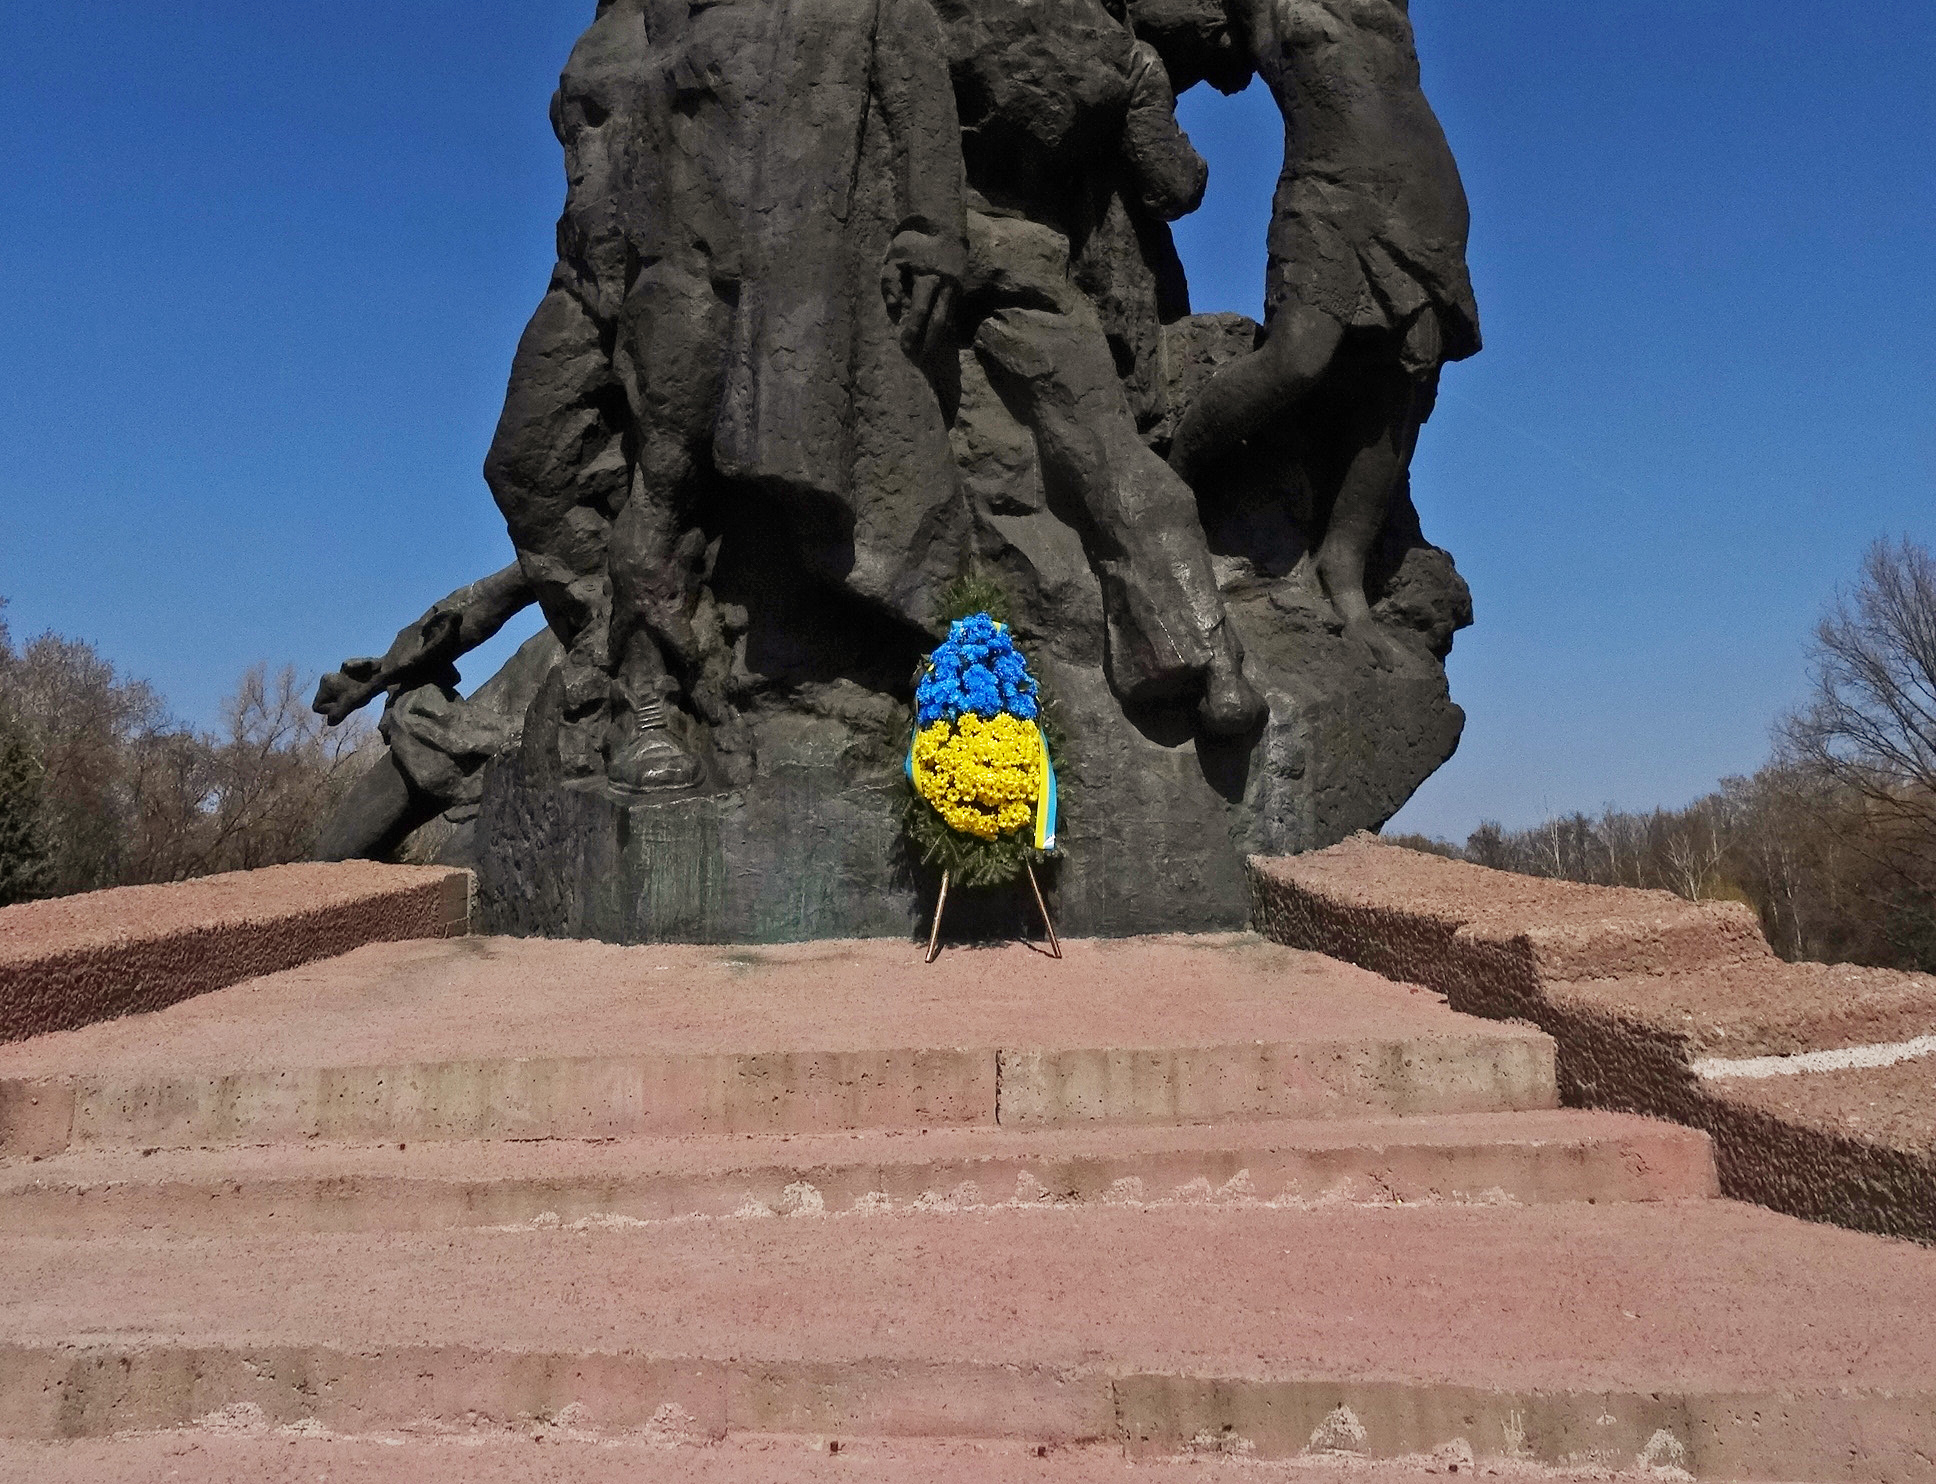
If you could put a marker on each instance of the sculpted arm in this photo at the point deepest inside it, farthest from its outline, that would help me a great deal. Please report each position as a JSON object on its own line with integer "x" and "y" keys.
{"x": 454, "y": 626}
{"x": 928, "y": 256}
{"x": 1170, "y": 175}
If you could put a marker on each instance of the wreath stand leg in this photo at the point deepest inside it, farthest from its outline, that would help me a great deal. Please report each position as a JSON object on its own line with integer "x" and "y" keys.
{"x": 934, "y": 933}
{"x": 1041, "y": 905}
{"x": 1055, "y": 947}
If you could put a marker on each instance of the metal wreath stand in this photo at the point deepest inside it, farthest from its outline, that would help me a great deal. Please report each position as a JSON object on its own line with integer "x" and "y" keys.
{"x": 941, "y": 905}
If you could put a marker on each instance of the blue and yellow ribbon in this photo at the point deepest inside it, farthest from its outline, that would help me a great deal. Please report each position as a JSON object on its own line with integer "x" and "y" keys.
{"x": 1045, "y": 801}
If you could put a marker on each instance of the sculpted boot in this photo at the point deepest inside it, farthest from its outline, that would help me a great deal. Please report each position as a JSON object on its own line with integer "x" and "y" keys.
{"x": 651, "y": 761}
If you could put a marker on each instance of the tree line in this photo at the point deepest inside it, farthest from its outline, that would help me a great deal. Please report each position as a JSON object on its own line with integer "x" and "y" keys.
{"x": 101, "y": 786}
{"x": 1833, "y": 841}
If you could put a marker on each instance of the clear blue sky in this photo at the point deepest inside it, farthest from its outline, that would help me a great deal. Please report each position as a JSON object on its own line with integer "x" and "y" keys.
{"x": 262, "y": 268}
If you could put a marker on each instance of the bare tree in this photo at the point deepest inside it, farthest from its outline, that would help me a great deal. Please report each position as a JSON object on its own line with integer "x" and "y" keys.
{"x": 125, "y": 794}
{"x": 25, "y": 864}
{"x": 1486, "y": 846}
{"x": 279, "y": 770}
{"x": 253, "y": 794}
{"x": 1870, "y": 725}
{"x": 1834, "y": 842}
{"x": 83, "y": 721}
{"x": 1621, "y": 835}
{"x": 24, "y": 857}
{"x": 1691, "y": 850}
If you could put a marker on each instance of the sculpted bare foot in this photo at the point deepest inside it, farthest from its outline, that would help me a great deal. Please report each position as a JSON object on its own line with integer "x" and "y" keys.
{"x": 1343, "y": 582}
{"x": 1383, "y": 646}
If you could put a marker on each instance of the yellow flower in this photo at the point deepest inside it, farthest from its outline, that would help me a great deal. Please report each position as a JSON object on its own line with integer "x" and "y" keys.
{"x": 982, "y": 777}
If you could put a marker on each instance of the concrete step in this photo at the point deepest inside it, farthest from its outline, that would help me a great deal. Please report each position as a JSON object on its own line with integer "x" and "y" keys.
{"x": 1705, "y": 1335}
{"x": 1491, "y": 935}
{"x": 1490, "y": 1158}
{"x": 241, "y": 1449}
{"x": 480, "y": 1038}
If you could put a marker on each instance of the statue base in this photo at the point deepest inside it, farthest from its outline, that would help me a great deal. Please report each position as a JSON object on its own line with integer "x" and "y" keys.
{"x": 1156, "y": 820}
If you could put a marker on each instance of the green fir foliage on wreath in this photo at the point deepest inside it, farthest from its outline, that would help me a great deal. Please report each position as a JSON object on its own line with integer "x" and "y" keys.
{"x": 969, "y": 594}
{"x": 969, "y": 861}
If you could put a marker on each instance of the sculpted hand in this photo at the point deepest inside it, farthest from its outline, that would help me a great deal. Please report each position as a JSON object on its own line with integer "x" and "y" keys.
{"x": 919, "y": 279}
{"x": 343, "y": 692}
{"x": 427, "y": 642}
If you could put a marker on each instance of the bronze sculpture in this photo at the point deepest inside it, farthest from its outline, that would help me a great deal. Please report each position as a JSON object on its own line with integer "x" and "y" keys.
{"x": 1367, "y": 295}
{"x": 856, "y": 296}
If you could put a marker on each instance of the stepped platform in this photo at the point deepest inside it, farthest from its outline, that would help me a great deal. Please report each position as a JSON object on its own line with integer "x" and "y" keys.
{"x": 1572, "y": 1332}
{"x": 1483, "y": 1158}
{"x": 497, "y": 1209}
{"x": 514, "y": 1038}
{"x": 1817, "y": 1082}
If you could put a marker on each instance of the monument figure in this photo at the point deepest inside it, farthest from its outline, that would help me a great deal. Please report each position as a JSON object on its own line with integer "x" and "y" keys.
{"x": 1068, "y": 109}
{"x": 857, "y": 298}
{"x": 744, "y": 179}
{"x": 1366, "y": 295}
{"x": 435, "y": 742}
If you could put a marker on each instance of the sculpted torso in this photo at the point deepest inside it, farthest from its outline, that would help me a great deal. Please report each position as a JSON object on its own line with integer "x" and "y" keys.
{"x": 1346, "y": 74}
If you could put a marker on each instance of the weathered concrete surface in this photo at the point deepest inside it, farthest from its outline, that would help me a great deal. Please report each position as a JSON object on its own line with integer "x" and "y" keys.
{"x": 76, "y": 960}
{"x": 1523, "y": 1158}
{"x": 243, "y": 1450}
{"x": 490, "y": 998}
{"x": 1644, "y": 992}
{"x": 1758, "y": 1344}
{"x": 450, "y": 1041}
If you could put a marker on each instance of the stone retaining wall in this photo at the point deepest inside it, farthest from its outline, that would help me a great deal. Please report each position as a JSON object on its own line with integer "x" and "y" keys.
{"x": 1656, "y": 1004}
{"x": 75, "y": 960}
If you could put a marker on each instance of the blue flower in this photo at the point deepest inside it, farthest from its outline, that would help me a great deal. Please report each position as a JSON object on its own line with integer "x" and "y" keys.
{"x": 979, "y": 669}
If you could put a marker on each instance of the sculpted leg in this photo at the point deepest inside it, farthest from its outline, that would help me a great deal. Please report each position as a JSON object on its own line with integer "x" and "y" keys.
{"x": 1370, "y": 422}
{"x": 651, "y": 607}
{"x": 672, "y": 349}
{"x": 558, "y": 470}
{"x": 1167, "y": 633}
{"x": 1250, "y": 393}
{"x": 1373, "y": 462}
{"x": 379, "y": 811}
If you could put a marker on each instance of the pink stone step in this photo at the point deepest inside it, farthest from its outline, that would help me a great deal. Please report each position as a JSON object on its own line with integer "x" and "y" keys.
{"x": 1490, "y": 934}
{"x": 1487, "y": 1158}
{"x": 237, "y": 1450}
{"x": 1656, "y": 1003}
{"x": 1761, "y": 1346}
{"x": 502, "y": 1038}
